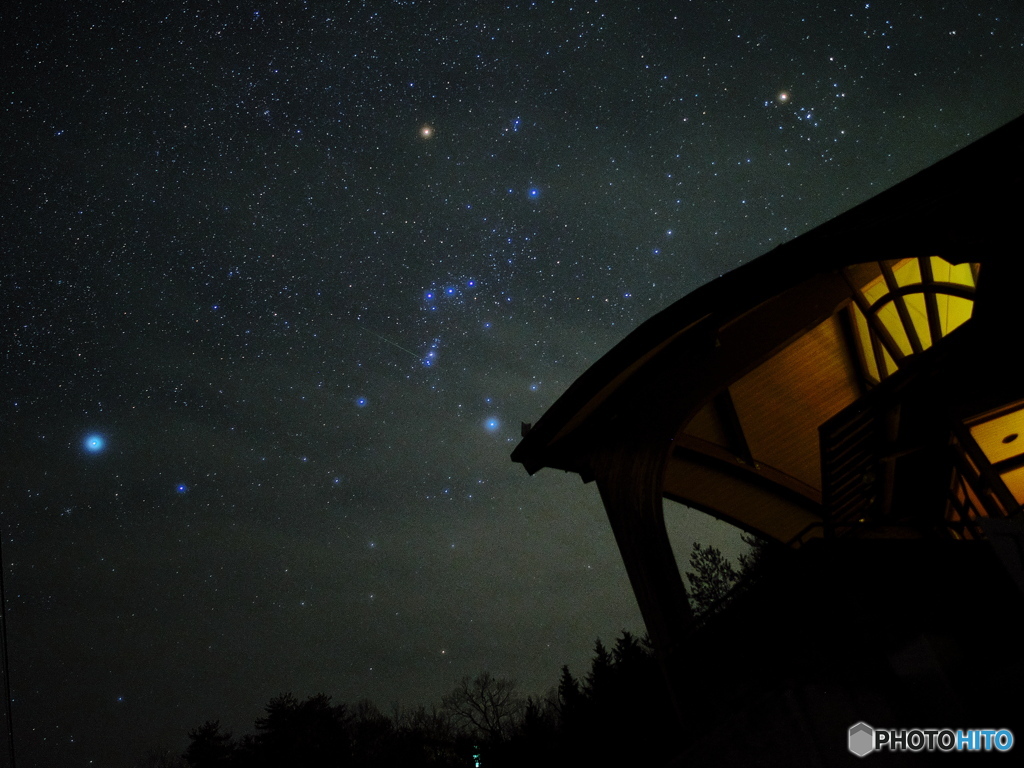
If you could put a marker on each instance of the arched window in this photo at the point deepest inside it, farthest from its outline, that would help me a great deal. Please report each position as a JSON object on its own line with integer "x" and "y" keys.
{"x": 907, "y": 305}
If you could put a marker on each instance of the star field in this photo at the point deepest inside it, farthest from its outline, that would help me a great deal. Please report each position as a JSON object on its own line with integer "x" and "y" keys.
{"x": 282, "y": 280}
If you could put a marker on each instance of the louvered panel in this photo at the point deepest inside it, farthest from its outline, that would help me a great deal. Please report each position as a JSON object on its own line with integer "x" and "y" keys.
{"x": 851, "y": 480}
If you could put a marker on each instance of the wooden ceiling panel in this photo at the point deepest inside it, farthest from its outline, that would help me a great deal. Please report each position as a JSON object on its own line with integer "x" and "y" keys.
{"x": 782, "y": 402}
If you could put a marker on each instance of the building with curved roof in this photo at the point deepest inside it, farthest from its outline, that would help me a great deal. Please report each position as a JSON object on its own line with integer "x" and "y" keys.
{"x": 857, "y": 382}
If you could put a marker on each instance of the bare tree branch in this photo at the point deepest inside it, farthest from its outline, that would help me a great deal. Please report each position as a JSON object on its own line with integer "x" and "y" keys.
{"x": 487, "y": 705}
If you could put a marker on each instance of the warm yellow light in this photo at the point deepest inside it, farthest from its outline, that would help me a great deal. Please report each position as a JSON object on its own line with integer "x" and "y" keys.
{"x": 1014, "y": 480}
{"x": 426, "y": 131}
{"x": 1001, "y": 438}
{"x": 864, "y": 338}
{"x": 914, "y": 296}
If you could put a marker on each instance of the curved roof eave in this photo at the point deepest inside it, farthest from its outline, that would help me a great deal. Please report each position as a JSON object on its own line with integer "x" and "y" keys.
{"x": 945, "y": 208}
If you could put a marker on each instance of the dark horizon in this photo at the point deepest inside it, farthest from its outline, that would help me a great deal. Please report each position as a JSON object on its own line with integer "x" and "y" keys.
{"x": 281, "y": 282}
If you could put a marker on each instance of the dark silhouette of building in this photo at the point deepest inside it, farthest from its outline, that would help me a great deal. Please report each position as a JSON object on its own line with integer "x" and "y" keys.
{"x": 854, "y": 396}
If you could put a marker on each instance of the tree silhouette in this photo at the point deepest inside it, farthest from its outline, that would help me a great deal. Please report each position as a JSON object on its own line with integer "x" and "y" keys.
{"x": 160, "y": 758}
{"x": 310, "y": 733}
{"x": 488, "y": 706}
{"x": 756, "y": 560}
{"x": 714, "y": 581}
{"x": 620, "y": 714}
{"x": 711, "y": 579}
{"x": 209, "y": 747}
{"x": 570, "y": 698}
{"x": 372, "y": 734}
{"x": 599, "y": 677}
{"x": 628, "y": 652}
{"x": 426, "y": 737}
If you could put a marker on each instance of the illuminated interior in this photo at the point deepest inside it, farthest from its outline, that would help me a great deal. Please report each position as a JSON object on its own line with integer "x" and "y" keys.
{"x": 988, "y": 474}
{"x": 735, "y": 449}
{"x": 906, "y": 306}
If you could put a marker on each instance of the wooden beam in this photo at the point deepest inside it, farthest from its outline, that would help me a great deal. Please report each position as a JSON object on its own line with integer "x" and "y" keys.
{"x": 726, "y": 410}
{"x": 901, "y": 308}
{"x": 930, "y": 301}
{"x": 876, "y": 325}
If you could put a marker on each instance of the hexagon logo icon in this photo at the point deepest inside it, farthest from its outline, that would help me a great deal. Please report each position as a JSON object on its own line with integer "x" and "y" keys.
{"x": 861, "y": 739}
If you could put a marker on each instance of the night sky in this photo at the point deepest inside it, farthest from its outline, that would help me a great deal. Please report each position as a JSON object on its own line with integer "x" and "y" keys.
{"x": 281, "y": 280}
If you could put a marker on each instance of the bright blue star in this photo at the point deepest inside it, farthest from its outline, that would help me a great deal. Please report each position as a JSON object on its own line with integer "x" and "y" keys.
{"x": 534, "y": 192}
{"x": 431, "y": 357}
{"x": 182, "y": 488}
{"x": 492, "y": 424}
{"x": 361, "y": 402}
{"x": 94, "y": 443}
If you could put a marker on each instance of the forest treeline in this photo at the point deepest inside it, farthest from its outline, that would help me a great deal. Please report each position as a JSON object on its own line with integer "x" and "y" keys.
{"x": 618, "y": 713}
